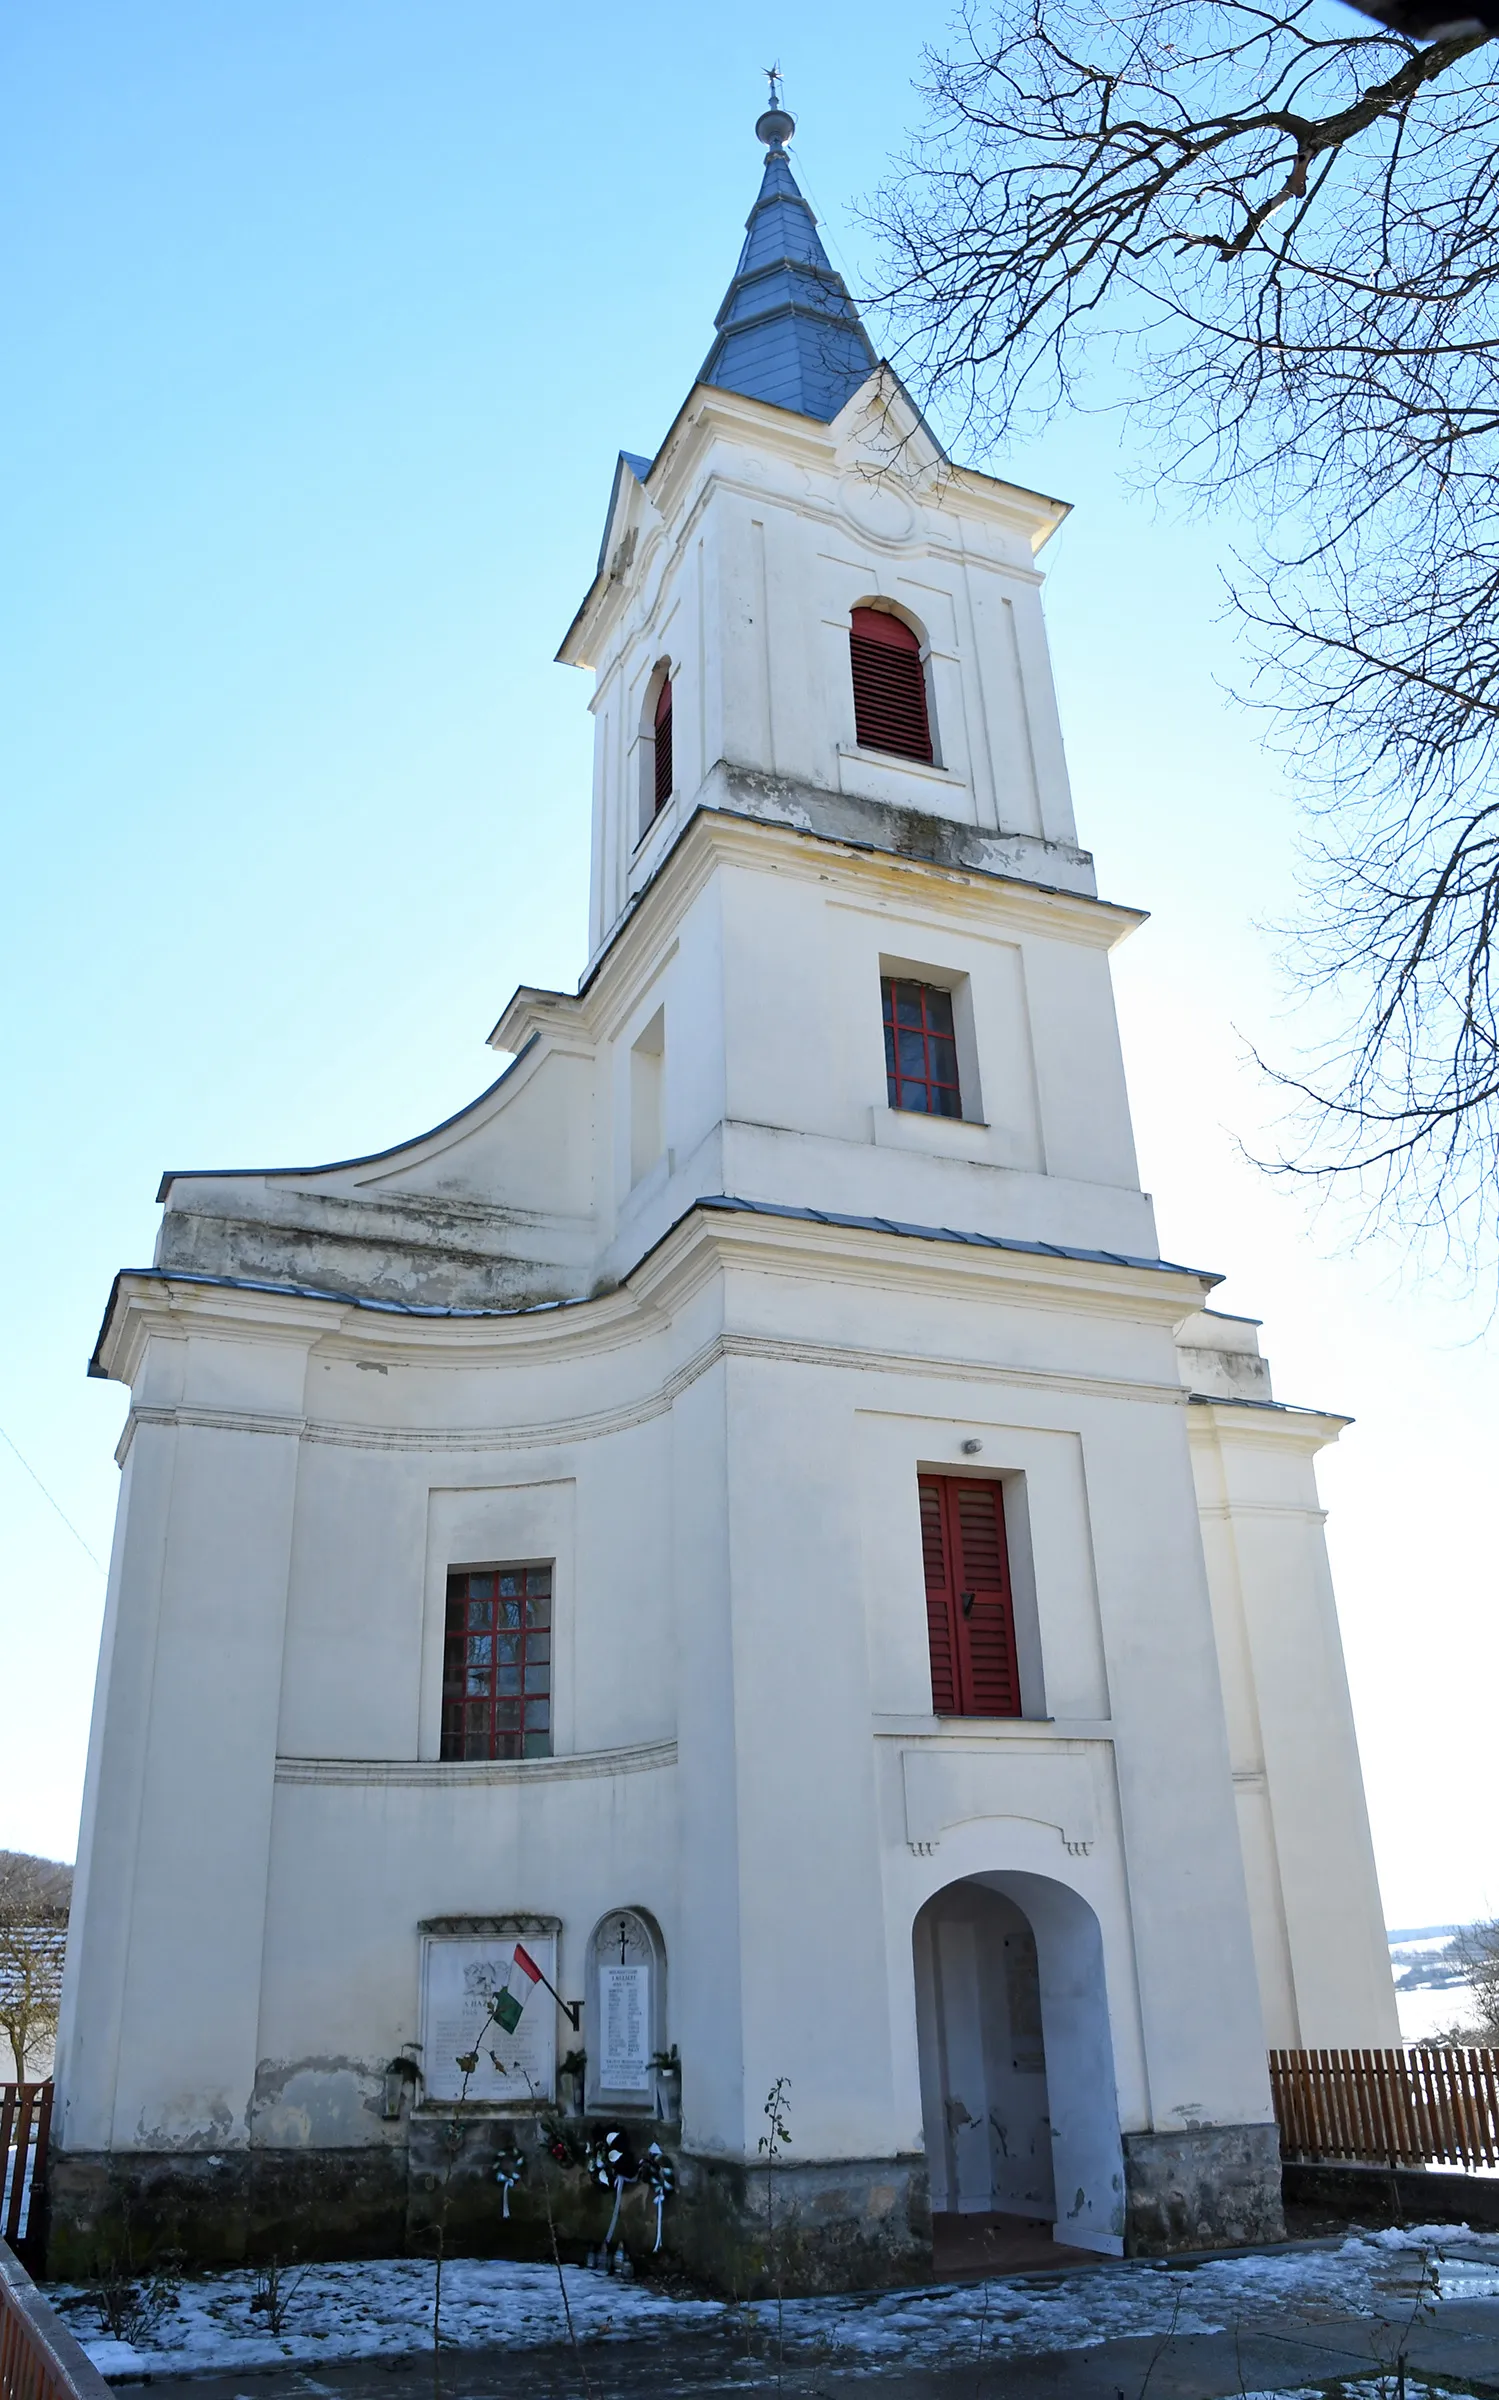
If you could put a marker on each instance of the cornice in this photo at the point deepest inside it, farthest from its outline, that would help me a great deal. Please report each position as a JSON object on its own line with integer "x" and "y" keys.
{"x": 1275, "y": 1424}
{"x": 146, "y": 1302}
{"x": 921, "y": 1259}
{"x": 714, "y": 837}
{"x": 709, "y": 1239}
{"x": 550, "y": 1433}
{"x": 1229, "y": 1512}
{"x": 709, "y": 413}
{"x": 432, "y": 1774}
{"x": 991, "y": 1735}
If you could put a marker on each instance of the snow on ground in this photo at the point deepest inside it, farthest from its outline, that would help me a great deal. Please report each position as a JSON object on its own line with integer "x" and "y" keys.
{"x": 374, "y": 2308}
{"x": 1370, "y": 2387}
{"x": 378, "y": 2308}
{"x": 1366, "y": 2275}
{"x": 1429, "y": 2009}
{"x": 7, "y": 2176}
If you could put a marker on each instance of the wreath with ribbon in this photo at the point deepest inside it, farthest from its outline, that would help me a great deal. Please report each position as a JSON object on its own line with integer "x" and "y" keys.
{"x": 610, "y": 2166}
{"x": 560, "y": 2144}
{"x": 509, "y": 2166}
{"x": 657, "y": 2171}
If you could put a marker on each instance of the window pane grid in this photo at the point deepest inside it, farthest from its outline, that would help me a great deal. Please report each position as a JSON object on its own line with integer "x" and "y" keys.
{"x": 497, "y": 1663}
{"x": 921, "y": 1050}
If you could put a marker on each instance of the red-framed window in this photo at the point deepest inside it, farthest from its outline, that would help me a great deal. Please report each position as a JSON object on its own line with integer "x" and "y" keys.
{"x": 497, "y": 1663}
{"x": 970, "y": 1612}
{"x": 663, "y": 765}
{"x": 890, "y": 711}
{"x": 921, "y": 1048}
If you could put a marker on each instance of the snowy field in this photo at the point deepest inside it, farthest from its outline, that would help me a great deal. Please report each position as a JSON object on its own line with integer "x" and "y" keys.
{"x": 1428, "y": 2011}
{"x": 383, "y": 2308}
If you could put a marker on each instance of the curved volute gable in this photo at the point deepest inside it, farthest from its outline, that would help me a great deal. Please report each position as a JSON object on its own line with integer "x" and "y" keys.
{"x": 493, "y": 1208}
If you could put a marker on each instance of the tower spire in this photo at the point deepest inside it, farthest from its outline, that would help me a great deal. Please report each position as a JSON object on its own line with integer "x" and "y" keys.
{"x": 788, "y": 332}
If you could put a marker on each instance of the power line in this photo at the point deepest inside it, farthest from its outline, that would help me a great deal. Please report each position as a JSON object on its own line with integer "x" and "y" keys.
{"x": 47, "y": 1496}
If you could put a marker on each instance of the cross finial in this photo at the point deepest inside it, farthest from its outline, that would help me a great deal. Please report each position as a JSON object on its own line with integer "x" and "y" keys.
{"x": 775, "y": 127}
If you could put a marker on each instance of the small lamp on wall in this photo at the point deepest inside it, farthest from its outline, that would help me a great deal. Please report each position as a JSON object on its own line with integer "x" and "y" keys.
{"x": 401, "y": 2077}
{"x": 572, "y": 2072}
{"x": 668, "y": 2068}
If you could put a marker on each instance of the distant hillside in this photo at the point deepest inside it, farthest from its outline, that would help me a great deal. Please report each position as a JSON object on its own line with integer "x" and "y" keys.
{"x": 49, "y": 1878}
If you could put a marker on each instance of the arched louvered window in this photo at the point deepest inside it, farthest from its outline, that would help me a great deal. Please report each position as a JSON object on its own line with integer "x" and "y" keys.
{"x": 663, "y": 771}
{"x": 890, "y": 711}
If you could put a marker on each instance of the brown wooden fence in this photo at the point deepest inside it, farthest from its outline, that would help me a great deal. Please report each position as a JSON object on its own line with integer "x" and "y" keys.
{"x": 1398, "y": 2107}
{"x": 39, "y": 2358}
{"x": 25, "y": 2118}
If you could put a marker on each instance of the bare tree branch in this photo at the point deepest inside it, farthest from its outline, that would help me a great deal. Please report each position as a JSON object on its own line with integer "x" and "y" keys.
{"x": 1283, "y": 227}
{"x": 34, "y": 1900}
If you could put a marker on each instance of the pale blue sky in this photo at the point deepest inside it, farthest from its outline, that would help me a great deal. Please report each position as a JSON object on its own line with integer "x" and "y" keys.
{"x": 325, "y": 322}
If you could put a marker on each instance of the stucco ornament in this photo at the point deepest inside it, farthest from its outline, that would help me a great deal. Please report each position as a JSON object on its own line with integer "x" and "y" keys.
{"x": 874, "y": 505}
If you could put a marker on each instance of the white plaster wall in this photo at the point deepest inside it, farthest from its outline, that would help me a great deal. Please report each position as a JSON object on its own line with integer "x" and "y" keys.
{"x": 723, "y": 1464}
{"x": 356, "y": 1866}
{"x": 766, "y": 966}
{"x": 1319, "y": 1932}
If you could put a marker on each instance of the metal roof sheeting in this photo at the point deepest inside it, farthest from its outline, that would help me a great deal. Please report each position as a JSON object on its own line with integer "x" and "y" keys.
{"x": 788, "y": 332}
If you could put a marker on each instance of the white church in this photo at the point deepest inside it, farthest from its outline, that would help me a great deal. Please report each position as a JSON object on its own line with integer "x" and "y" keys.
{"x": 734, "y": 1557}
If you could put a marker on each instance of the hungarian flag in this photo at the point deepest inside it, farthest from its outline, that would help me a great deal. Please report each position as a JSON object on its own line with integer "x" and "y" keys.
{"x": 520, "y": 1983}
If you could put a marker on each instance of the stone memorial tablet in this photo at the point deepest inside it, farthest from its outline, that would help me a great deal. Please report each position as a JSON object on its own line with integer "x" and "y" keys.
{"x": 625, "y": 2029}
{"x": 516, "y": 2041}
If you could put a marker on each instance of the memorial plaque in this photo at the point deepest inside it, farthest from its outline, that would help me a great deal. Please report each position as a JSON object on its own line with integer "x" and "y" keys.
{"x": 624, "y": 2028}
{"x": 518, "y": 2055}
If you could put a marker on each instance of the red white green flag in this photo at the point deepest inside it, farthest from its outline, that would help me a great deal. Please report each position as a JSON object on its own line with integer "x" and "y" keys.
{"x": 520, "y": 1983}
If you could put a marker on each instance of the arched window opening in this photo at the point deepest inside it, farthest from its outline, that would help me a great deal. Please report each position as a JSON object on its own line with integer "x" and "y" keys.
{"x": 663, "y": 768}
{"x": 890, "y": 710}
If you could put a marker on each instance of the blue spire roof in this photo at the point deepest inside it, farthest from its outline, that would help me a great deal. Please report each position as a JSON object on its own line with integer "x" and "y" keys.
{"x": 787, "y": 331}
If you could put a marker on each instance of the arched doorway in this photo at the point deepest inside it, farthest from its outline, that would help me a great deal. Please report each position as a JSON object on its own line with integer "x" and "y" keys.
{"x": 1017, "y": 2083}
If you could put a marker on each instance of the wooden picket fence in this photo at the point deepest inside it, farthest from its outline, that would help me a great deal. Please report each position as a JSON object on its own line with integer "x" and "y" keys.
{"x": 1399, "y": 2108}
{"x": 39, "y": 2358}
{"x": 25, "y": 2120}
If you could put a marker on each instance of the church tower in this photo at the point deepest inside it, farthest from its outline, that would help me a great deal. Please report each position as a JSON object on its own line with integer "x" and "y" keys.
{"x": 742, "y": 1517}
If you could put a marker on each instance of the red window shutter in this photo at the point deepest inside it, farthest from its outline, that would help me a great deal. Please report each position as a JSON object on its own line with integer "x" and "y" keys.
{"x": 663, "y": 782}
{"x": 890, "y": 711}
{"x": 939, "y": 1601}
{"x": 970, "y": 1611}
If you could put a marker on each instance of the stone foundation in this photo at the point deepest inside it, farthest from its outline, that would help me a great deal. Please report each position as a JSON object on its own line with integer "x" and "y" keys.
{"x": 847, "y": 2226}
{"x": 850, "y": 2225}
{"x": 1214, "y": 2187}
{"x": 1336, "y": 2194}
{"x": 136, "y": 2207}
{"x": 859, "y": 2223}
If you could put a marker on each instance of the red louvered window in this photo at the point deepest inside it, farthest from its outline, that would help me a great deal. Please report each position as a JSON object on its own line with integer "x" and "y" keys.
{"x": 497, "y": 1663}
{"x": 970, "y": 1614}
{"x": 921, "y": 1048}
{"x": 890, "y": 710}
{"x": 663, "y": 776}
